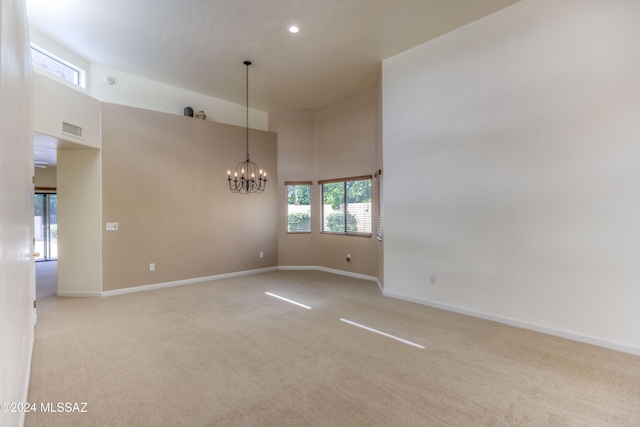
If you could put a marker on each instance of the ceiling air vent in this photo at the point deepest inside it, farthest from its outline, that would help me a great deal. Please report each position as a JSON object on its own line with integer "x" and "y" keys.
{"x": 71, "y": 129}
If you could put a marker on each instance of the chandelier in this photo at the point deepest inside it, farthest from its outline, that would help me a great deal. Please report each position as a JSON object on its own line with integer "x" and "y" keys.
{"x": 248, "y": 177}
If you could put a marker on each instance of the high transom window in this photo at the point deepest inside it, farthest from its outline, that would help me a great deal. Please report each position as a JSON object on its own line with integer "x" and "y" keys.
{"x": 54, "y": 65}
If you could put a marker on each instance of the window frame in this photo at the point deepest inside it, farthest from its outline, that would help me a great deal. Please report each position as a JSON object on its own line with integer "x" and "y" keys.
{"x": 298, "y": 183}
{"x": 346, "y": 205}
{"x": 79, "y": 73}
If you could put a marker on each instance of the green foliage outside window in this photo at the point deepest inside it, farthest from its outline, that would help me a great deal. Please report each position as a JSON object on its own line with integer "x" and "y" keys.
{"x": 335, "y": 223}
{"x": 298, "y": 208}
{"x": 357, "y": 192}
{"x": 299, "y": 221}
{"x": 350, "y": 196}
{"x": 299, "y": 194}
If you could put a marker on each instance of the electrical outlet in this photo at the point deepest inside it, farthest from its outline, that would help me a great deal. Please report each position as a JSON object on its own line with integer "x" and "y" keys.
{"x": 261, "y": 254}
{"x": 152, "y": 266}
{"x": 433, "y": 279}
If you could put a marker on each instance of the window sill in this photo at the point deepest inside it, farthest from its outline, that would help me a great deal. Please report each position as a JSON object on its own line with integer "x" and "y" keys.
{"x": 346, "y": 234}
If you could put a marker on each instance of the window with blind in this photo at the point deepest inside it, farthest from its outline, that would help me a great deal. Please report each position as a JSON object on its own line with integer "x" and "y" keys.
{"x": 298, "y": 207}
{"x": 346, "y": 206}
{"x": 378, "y": 203}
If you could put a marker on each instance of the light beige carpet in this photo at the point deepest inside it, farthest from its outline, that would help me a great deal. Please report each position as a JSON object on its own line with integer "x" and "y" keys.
{"x": 46, "y": 279}
{"x": 225, "y": 354}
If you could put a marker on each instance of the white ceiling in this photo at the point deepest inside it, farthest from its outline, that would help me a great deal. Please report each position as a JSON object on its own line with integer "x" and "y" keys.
{"x": 200, "y": 44}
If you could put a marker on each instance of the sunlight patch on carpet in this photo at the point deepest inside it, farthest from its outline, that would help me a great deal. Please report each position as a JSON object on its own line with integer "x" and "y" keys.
{"x": 288, "y": 300}
{"x": 383, "y": 333}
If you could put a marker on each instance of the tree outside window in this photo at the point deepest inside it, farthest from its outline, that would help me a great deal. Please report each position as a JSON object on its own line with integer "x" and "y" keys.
{"x": 298, "y": 207}
{"x": 346, "y": 206}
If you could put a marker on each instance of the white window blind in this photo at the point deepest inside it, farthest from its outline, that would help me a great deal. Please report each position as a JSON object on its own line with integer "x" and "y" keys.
{"x": 378, "y": 203}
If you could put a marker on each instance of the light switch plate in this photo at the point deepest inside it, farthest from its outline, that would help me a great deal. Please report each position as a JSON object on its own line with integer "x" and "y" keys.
{"x": 112, "y": 226}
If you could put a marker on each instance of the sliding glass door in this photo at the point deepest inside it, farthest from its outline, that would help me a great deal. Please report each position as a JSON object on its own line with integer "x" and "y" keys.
{"x": 46, "y": 226}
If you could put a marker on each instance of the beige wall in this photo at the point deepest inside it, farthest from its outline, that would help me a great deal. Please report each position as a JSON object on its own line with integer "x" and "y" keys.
{"x": 46, "y": 177}
{"x": 335, "y": 141}
{"x": 519, "y": 133}
{"x": 296, "y": 162}
{"x": 164, "y": 183}
{"x": 17, "y": 291}
{"x": 346, "y": 146}
{"x": 346, "y": 137}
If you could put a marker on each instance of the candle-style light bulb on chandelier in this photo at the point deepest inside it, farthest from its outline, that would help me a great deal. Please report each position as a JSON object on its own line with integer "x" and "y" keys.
{"x": 248, "y": 177}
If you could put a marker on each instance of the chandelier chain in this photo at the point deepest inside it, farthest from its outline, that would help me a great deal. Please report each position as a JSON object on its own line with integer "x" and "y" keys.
{"x": 247, "y": 63}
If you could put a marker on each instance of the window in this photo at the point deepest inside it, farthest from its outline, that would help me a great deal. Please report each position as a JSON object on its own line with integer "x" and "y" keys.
{"x": 57, "y": 66}
{"x": 378, "y": 196}
{"x": 346, "y": 206}
{"x": 298, "y": 207}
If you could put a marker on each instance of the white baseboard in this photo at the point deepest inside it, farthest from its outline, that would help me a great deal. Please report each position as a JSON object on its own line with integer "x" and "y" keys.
{"x": 505, "y": 320}
{"x": 182, "y": 282}
{"x": 519, "y": 324}
{"x": 210, "y": 278}
{"x": 331, "y": 270}
{"x": 347, "y": 273}
{"x": 78, "y": 294}
{"x": 380, "y": 286}
{"x": 297, "y": 267}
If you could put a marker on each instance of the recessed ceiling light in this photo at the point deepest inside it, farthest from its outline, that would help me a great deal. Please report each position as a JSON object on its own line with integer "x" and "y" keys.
{"x": 293, "y": 29}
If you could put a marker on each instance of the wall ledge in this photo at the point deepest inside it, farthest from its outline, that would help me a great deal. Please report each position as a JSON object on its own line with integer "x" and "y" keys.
{"x": 612, "y": 345}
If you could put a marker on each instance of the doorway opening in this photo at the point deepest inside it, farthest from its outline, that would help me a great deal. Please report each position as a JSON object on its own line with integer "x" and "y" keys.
{"x": 46, "y": 226}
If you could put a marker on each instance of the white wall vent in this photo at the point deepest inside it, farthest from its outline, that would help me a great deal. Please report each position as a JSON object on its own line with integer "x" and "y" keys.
{"x": 70, "y": 129}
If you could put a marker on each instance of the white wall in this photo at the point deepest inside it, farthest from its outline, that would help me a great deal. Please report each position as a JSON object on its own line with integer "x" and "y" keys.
{"x": 56, "y": 103}
{"x": 79, "y": 182}
{"x": 510, "y": 152}
{"x": 17, "y": 290}
{"x": 139, "y": 92}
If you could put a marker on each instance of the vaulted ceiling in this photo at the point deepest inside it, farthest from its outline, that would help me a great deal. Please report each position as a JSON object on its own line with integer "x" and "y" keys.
{"x": 200, "y": 44}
